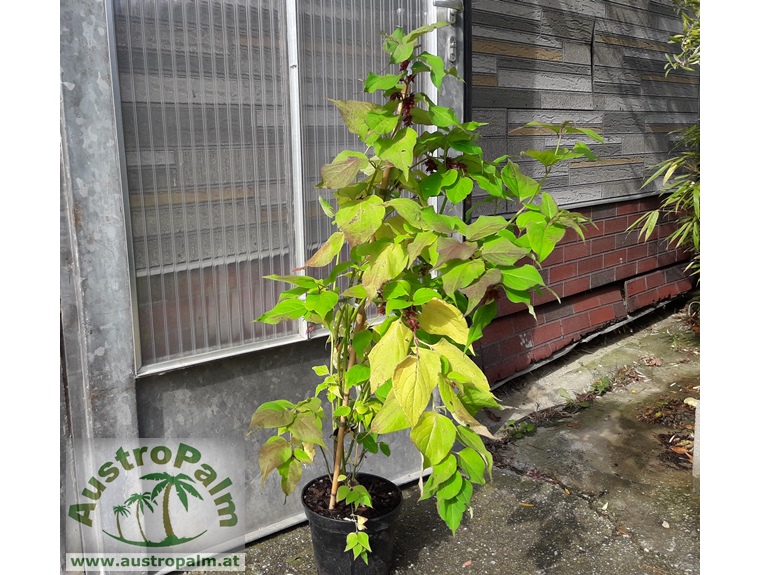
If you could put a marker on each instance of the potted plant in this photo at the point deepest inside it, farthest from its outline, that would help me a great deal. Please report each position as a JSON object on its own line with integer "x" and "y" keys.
{"x": 433, "y": 280}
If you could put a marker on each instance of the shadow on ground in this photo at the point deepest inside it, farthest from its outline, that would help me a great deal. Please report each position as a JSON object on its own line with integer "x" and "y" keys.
{"x": 600, "y": 492}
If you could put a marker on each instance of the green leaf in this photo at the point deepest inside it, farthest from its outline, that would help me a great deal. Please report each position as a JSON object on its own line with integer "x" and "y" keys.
{"x": 460, "y": 190}
{"x": 451, "y": 487}
{"x": 382, "y": 121}
{"x": 437, "y": 68}
{"x": 587, "y": 131}
{"x": 398, "y": 151}
{"x": 414, "y": 381}
{"x": 483, "y": 316}
{"x": 451, "y": 511}
{"x": 430, "y": 186}
{"x": 460, "y": 412}
{"x": 521, "y": 278}
{"x": 473, "y": 465}
{"x": 321, "y": 303}
{"x": 272, "y": 454}
{"x": 548, "y": 205}
{"x": 384, "y": 265}
{"x": 361, "y": 340}
{"x": 543, "y": 238}
{"x": 273, "y": 414}
{"x": 357, "y": 292}
{"x": 583, "y": 149}
{"x": 434, "y": 436}
{"x": 459, "y": 275}
{"x": 422, "y": 30}
{"x": 522, "y": 186}
{"x": 471, "y": 439}
{"x": 402, "y": 52}
{"x": 441, "y": 318}
{"x": 308, "y": 428}
{"x": 466, "y": 147}
{"x": 386, "y": 82}
{"x": 408, "y": 209}
{"x": 287, "y": 309}
{"x": 485, "y": 226}
{"x": 357, "y": 375}
{"x": 424, "y": 295}
{"x": 303, "y": 281}
{"x": 342, "y": 170}
{"x": 520, "y": 296}
{"x": 360, "y": 219}
{"x": 354, "y": 113}
{"x": 502, "y": 252}
{"x": 388, "y": 353}
{"x": 491, "y": 185}
{"x": 477, "y": 290}
{"x": 444, "y": 470}
{"x": 443, "y": 117}
{"x": 326, "y": 254}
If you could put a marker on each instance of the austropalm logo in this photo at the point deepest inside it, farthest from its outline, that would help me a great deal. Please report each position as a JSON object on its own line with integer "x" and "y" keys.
{"x": 175, "y": 496}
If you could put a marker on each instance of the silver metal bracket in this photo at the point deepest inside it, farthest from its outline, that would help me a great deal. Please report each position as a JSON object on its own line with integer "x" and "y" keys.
{"x": 453, "y": 7}
{"x": 452, "y": 49}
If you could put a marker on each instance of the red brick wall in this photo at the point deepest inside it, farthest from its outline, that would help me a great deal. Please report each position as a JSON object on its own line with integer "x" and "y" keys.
{"x": 600, "y": 281}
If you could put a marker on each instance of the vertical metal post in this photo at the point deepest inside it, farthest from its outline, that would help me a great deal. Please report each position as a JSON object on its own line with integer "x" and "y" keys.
{"x": 296, "y": 144}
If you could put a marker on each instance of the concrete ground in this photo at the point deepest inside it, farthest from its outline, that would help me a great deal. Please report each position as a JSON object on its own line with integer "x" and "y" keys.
{"x": 594, "y": 493}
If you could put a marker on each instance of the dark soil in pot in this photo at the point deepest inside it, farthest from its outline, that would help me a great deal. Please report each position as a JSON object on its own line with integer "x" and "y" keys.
{"x": 329, "y": 528}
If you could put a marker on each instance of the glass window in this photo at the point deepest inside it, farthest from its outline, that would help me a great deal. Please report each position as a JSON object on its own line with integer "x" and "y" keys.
{"x": 225, "y": 126}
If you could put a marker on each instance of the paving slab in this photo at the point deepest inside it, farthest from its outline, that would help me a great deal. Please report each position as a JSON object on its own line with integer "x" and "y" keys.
{"x": 595, "y": 493}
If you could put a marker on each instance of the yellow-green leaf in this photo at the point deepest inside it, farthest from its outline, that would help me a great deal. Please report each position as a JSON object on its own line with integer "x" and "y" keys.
{"x": 390, "y": 417}
{"x": 434, "y": 436}
{"x": 458, "y": 410}
{"x": 441, "y": 318}
{"x": 414, "y": 381}
{"x": 290, "y": 474}
{"x": 327, "y": 252}
{"x": 359, "y": 219}
{"x": 384, "y": 265}
{"x": 463, "y": 365}
{"x": 391, "y": 350}
{"x": 399, "y": 150}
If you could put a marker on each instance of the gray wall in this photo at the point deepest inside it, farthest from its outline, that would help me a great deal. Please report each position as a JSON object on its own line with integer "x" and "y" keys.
{"x": 596, "y": 63}
{"x": 101, "y": 396}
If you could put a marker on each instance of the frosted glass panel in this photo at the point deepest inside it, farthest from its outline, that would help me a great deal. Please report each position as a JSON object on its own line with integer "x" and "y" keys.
{"x": 206, "y": 103}
{"x": 339, "y": 44}
{"x": 204, "y": 89}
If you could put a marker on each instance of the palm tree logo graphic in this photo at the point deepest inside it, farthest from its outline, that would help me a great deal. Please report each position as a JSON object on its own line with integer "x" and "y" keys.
{"x": 180, "y": 484}
{"x": 140, "y": 501}
{"x": 120, "y": 511}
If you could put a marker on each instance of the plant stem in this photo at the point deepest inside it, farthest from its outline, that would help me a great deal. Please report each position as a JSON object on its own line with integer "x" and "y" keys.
{"x": 360, "y": 320}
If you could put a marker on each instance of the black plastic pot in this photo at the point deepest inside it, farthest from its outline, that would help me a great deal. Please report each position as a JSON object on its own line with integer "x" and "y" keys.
{"x": 328, "y": 537}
